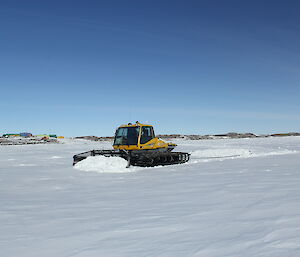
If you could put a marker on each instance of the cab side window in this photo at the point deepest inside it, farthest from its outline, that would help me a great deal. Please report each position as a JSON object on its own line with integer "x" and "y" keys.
{"x": 147, "y": 134}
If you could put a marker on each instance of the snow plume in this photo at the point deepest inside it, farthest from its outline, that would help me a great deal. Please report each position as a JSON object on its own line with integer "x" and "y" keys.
{"x": 223, "y": 154}
{"x": 104, "y": 164}
{"x": 220, "y": 153}
{"x": 279, "y": 152}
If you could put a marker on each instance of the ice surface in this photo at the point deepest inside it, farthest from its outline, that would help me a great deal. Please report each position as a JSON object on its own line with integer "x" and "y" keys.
{"x": 235, "y": 198}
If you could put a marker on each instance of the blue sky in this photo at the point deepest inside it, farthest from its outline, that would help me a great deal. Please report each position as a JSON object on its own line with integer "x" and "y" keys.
{"x": 193, "y": 67}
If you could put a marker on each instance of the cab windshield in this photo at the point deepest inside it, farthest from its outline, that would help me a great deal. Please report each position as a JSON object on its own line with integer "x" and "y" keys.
{"x": 127, "y": 136}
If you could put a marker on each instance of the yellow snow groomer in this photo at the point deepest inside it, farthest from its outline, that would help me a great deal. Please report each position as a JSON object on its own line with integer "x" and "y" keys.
{"x": 138, "y": 145}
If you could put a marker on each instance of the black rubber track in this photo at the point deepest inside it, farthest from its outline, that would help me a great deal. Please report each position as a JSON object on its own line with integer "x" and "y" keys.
{"x": 170, "y": 158}
{"x": 139, "y": 158}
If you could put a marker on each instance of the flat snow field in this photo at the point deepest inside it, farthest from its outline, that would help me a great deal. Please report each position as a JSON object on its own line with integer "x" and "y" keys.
{"x": 235, "y": 198}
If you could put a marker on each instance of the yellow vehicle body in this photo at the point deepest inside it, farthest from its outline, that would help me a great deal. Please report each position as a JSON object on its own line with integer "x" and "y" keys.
{"x": 141, "y": 143}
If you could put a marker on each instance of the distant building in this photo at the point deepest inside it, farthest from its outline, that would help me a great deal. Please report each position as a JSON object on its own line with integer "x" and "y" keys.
{"x": 25, "y": 134}
{"x": 11, "y": 135}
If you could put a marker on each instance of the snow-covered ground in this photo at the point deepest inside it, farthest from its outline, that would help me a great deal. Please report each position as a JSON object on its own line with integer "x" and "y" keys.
{"x": 235, "y": 198}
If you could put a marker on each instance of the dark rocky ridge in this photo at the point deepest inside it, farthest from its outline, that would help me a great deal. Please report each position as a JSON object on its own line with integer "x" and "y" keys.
{"x": 230, "y": 135}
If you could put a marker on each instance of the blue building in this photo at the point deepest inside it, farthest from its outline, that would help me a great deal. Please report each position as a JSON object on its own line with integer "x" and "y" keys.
{"x": 25, "y": 134}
